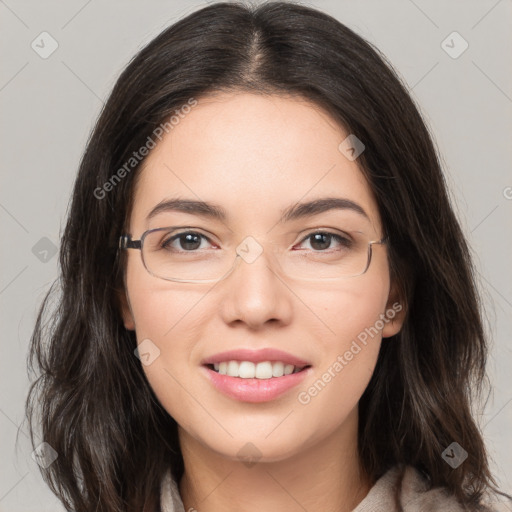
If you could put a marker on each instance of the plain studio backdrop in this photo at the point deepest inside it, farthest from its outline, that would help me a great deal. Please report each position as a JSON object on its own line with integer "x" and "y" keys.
{"x": 455, "y": 57}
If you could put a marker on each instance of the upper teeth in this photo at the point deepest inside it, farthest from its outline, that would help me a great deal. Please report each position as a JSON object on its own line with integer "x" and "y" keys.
{"x": 250, "y": 370}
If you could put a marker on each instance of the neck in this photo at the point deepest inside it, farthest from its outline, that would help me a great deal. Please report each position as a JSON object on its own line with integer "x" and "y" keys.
{"x": 325, "y": 476}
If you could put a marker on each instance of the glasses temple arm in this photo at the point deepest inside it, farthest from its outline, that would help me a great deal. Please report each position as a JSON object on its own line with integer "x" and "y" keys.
{"x": 126, "y": 242}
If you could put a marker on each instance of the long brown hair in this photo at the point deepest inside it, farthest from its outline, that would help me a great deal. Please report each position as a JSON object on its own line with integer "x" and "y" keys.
{"x": 96, "y": 409}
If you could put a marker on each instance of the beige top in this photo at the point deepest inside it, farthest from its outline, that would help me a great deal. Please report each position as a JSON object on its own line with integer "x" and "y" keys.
{"x": 414, "y": 496}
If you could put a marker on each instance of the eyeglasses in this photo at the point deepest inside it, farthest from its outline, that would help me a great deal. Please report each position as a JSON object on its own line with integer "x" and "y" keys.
{"x": 176, "y": 255}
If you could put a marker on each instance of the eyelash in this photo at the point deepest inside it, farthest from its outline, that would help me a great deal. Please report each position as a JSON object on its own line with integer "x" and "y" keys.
{"x": 344, "y": 241}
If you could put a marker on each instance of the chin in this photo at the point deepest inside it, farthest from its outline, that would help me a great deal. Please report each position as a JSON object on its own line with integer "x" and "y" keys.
{"x": 253, "y": 446}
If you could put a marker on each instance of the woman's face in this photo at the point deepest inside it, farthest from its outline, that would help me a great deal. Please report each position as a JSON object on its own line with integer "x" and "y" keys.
{"x": 255, "y": 157}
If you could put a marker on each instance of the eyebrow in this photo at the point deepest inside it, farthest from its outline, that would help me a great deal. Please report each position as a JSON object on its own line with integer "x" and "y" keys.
{"x": 293, "y": 212}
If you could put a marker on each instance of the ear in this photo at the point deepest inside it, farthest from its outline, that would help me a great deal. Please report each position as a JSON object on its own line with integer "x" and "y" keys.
{"x": 395, "y": 313}
{"x": 126, "y": 310}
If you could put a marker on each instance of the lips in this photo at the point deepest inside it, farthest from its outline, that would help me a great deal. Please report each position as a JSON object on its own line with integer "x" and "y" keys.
{"x": 227, "y": 371}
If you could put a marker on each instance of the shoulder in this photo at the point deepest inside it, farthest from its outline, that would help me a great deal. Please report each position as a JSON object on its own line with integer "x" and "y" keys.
{"x": 416, "y": 495}
{"x": 404, "y": 484}
{"x": 411, "y": 489}
{"x": 170, "y": 499}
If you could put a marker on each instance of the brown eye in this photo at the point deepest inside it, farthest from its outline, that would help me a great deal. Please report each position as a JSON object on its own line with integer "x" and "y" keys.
{"x": 322, "y": 240}
{"x": 187, "y": 241}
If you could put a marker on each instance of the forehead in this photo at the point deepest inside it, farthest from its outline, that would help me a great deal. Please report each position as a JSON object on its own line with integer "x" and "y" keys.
{"x": 255, "y": 155}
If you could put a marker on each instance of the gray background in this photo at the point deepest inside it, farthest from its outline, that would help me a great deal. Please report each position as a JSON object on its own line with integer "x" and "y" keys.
{"x": 49, "y": 106}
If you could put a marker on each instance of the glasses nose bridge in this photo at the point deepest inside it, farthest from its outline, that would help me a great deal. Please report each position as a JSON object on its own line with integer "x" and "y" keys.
{"x": 251, "y": 249}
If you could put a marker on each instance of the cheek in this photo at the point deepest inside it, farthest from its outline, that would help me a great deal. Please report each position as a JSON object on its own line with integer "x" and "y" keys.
{"x": 162, "y": 320}
{"x": 159, "y": 307}
{"x": 353, "y": 311}
{"x": 167, "y": 328}
{"x": 348, "y": 347}
{"x": 165, "y": 318}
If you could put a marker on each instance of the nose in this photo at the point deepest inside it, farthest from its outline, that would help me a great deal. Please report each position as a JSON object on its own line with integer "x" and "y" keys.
{"x": 254, "y": 293}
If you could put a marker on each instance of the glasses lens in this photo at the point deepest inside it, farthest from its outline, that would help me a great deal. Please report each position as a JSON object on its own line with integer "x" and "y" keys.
{"x": 183, "y": 255}
{"x": 327, "y": 256}
{"x": 189, "y": 255}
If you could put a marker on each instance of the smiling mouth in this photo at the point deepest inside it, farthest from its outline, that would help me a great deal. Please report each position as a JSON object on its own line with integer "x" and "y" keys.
{"x": 249, "y": 370}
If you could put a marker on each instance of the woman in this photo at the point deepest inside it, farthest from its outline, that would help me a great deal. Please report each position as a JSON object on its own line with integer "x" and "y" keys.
{"x": 267, "y": 302}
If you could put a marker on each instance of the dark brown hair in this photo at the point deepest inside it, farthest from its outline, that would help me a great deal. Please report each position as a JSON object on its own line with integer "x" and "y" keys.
{"x": 113, "y": 438}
